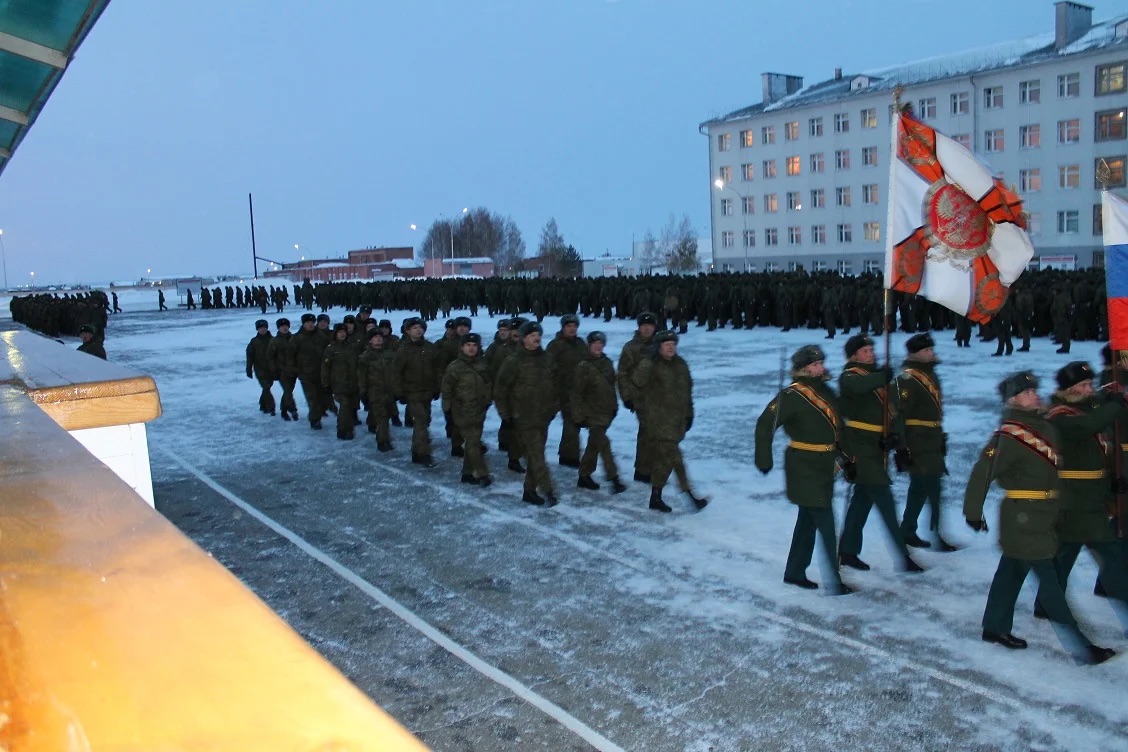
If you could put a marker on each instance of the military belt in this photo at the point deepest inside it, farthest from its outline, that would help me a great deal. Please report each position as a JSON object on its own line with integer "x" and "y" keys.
{"x": 872, "y": 427}
{"x": 922, "y": 423}
{"x": 804, "y": 446}
{"x": 1124, "y": 447}
{"x": 1018, "y": 494}
{"x": 1081, "y": 474}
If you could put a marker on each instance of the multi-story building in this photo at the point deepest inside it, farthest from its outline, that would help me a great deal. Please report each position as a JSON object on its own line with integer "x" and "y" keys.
{"x": 801, "y": 178}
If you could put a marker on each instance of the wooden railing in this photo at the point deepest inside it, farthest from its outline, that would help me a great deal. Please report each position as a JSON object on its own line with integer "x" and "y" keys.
{"x": 116, "y": 631}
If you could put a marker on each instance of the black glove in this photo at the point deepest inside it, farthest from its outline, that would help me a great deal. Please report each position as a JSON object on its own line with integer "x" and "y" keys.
{"x": 1120, "y": 486}
{"x": 629, "y": 405}
{"x": 688, "y": 423}
{"x": 979, "y": 526}
{"x": 249, "y": 376}
{"x": 888, "y": 442}
{"x": 944, "y": 444}
{"x": 888, "y": 371}
{"x": 902, "y": 459}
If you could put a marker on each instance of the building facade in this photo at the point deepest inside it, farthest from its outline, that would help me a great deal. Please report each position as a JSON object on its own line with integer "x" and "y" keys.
{"x": 363, "y": 264}
{"x": 801, "y": 178}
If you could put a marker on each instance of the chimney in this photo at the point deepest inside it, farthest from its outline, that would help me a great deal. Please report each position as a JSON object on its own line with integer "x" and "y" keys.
{"x": 837, "y": 74}
{"x": 1071, "y": 22}
{"x": 779, "y": 85}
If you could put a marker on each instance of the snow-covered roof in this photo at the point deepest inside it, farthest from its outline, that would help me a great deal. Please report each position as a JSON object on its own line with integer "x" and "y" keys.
{"x": 1018, "y": 52}
{"x": 471, "y": 260}
{"x": 402, "y": 263}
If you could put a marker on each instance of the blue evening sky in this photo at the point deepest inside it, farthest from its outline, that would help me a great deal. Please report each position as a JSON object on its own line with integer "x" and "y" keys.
{"x": 350, "y": 120}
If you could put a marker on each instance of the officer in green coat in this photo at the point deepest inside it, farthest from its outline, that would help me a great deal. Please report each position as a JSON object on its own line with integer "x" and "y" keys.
{"x": 338, "y": 375}
{"x": 665, "y": 389}
{"x": 416, "y": 384}
{"x": 567, "y": 350}
{"x": 1023, "y": 457}
{"x": 283, "y": 358}
{"x": 1082, "y": 419}
{"x": 865, "y": 397}
{"x": 309, "y": 346}
{"x": 594, "y": 404}
{"x": 631, "y": 355}
{"x": 466, "y": 395}
{"x": 374, "y": 381}
{"x": 526, "y": 397}
{"x": 807, "y": 411}
{"x": 259, "y": 365}
{"x": 921, "y": 419}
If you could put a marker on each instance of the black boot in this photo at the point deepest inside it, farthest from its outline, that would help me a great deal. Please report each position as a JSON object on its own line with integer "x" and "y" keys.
{"x": 617, "y": 486}
{"x": 912, "y": 566}
{"x": 396, "y": 421}
{"x": 457, "y": 451}
{"x": 1006, "y": 640}
{"x": 372, "y": 429}
{"x": 469, "y": 479}
{"x": 697, "y": 502}
{"x": 550, "y": 499}
{"x": 641, "y": 477}
{"x": 802, "y": 582}
{"x": 1093, "y": 655}
{"x": 585, "y": 481}
{"x": 485, "y": 482}
{"x": 384, "y": 446}
{"x": 916, "y": 541}
{"x": 285, "y": 416}
{"x": 944, "y": 546}
{"x": 422, "y": 459}
{"x": 315, "y": 425}
{"x": 530, "y": 497}
{"x": 656, "y": 502}
{"x": 515, "y": 466}
{"x": 852, "y": 561}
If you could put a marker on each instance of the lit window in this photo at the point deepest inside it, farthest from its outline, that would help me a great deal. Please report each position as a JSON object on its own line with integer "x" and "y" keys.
{"x": 1068, "y": 222}
{"x": 724, "y": 141}
{"x": 926, "y": 108}
{"x": 794, "y": 203}
{"x": 869, "y": 156}
{"x": 1029, "y": 92}
{"x": 1069, "y": 85}
{"x": 747, "y": 172}
{"x": 1116, "y": 171}
{"x": 842, "y": 123}
{"x": 1110, "y": 78}
{"x": 771, "y": 236}
{"x": 817, "y": 162}
{"x": 993, "y": 140}
{"x": 749, "y": 238}
{"x": 961, "y": 104}
{"x": 793, "y": 165}
{"x": 869, "y": 117}
{"x": 746, "y": 139}
{"x": 769, "y": 169}
{"x": 842, "y": 159}
{"x": 845, "y": 234}
{"x": 767, "y": 134}
{"x": 992, "y": 97}
{"x": 872, "y": 231}
{"x": 1069, "y": 131}
{"x": 791, "y": 131}
{"x": 794, "y": 235}
{"x": 818, "y": 198}
{"x": 1069, "y": 176}
{"x": 842, "y": 196}
{"x": 771, "y": 202}
{"x": 815, "y": 127}
{"x": 1029, "y": 136}
{"x": 1030, "y": 181}
{"x": 1110, "y": 125}
{"x": 869, "y": 193}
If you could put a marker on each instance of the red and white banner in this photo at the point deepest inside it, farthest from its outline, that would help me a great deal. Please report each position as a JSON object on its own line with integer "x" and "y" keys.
{"x": 955, "y": 234}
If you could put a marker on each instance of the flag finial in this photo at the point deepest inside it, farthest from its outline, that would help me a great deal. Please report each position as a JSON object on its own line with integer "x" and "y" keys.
{"x": 1104, "y": 175}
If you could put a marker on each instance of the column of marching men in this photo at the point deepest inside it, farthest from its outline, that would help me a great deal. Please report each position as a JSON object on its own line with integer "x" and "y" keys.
{"x": 1053, "y": 464}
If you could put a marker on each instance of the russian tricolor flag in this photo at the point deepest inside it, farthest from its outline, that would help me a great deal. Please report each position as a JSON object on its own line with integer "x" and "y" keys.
{"x": 1114, "y": 214}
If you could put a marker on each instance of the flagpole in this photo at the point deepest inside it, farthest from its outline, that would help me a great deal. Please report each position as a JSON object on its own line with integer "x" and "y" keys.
{"x": 887, "y": 304}
{"x": 1103, "y": 176}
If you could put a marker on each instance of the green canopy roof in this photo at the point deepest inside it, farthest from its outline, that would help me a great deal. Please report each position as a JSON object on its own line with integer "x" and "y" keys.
{"x": 38, "y": 39}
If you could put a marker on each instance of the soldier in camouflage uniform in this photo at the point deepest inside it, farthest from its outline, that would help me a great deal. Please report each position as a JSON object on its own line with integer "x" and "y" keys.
{"x": 91, "y": 345}
{"x": 594, "y": 405}
{"x": 807, "y": 410}
{"x": 466, "y": 395}
{"x": 260, "y": 366}
{"x": 1023, "y": 456}
{"x": 338, "y": 375}
{"x": 526, "y": 397}
{"x": 665, "y": 389}
{"x": 631, "y": 355}
{"x": 416, "y": 384}
{"x": 374, "y": 382}
{"x": 308, "y": 349}
{"x": 567, "y": 350}
{"x": 282, "y": 355}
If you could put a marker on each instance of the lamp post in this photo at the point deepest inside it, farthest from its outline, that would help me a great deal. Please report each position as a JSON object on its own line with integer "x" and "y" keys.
{"x": 4, "y": 260}
{"x": 464, "y": 210}
{"x": 721, "y": 186}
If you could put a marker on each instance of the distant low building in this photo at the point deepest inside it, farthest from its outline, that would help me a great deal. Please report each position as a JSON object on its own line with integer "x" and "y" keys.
{"x": 479, "y": 266}
{"x": 366, "y": 263}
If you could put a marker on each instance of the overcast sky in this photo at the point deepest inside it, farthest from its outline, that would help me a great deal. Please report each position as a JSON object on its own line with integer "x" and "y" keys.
{"x": 349, "y": 120}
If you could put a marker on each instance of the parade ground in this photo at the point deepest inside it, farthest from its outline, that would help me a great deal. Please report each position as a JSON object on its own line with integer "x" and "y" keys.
{"x": 482, "y": 623}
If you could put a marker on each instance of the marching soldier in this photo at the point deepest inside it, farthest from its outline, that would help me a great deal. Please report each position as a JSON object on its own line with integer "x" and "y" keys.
{"x": 525, "y": 393}
{"x": 446, "y": 352}
{"x": 466, "y": 396}
{"x": 631, "y": 355}
{"x": 925, "y": 443}
{"x": 1023, "y": 456}
{"x": 415, "y": 384}
{"x": 308, "y": 349}
{"x": 283, "y": 360}
{"x": 807, "y": 410}
{"x": 594, "y": 404}
{"x": 258, "y": 361}
{"x": 374, "y": 381}
{"x": 864, "y": 401}
{"x": 567, "y": 350}
{"x": 1114, "y": 382}
{"x": 339, "y": 376}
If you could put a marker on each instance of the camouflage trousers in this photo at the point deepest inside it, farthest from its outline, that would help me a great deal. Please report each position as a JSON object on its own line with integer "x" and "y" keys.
{"x": 266, "y": 399}
{"x": 347, "y": 404}
{"x": 473, "y": 463}
{"x": 666, "y": 457}
{"x": 288, "y": 404}
{"x": 644, "y": 450}
{"x": 420, "y": 409}
{"x": 378, "y": 419}
{"x": 312, "y": 391}
{"x": 532, "y": 441}
{"x": 569, "y": 437}
{"x": 598, "y": 447}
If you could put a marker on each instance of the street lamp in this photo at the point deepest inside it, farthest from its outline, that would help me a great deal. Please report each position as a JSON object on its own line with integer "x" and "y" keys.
{"x": 464, "y": 210}
{"x": 4, "y": 259}
{"x": 722, "y": 185}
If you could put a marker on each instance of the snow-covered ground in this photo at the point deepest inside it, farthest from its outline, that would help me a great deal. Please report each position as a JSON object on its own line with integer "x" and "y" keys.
{"x": 607, "y": 624}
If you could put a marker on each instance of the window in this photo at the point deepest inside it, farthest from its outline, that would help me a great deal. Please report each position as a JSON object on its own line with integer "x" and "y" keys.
{"x": 724, "y": 141}
{"x": 869, "y": 156}
{"x": 794, "y": 236}
{"x": 963, "y": 139}
{"x": 749, "y": 204}
{"x": 1034, "y": 224}
{"x": 1110, "y": 78}
{"x": 818, "y": 234}
{"x": 992, "y": 97}
{"x": 771, "y": 202}
{"x": 793, "y": 266}
{"x": 1069, "y": 131}
{"x": 724, "y": 173}
{"x": 993, "y": 140}
{"x": 1029, "y": 92}
{"x": 1030, "y": 181}
{"x": 872, "y": 266}
{"x": 844, "y": 267}
{"x": 746, "y": 139}
{"x": 926, "y": 108}
{"x": 749, "y": 238}
{"x": 771, "y": 236}
{"x": 794, "y": 165}
{"x": 1029, "y": 136}
{"x": 747, "y": 172}
{"x": 1067, "y": 222}
{"x": 842, "y": 196}
{"x": 842, "y": 159}
{"x": 1110, "y": 125}
{"x": 845, "y": 234}
{"x": 726, "y": 207}
{"x": 817, "y": 162}
{"x": 815, "y": 127}
{"x": 771, "y": 266}
{"x": 767, "y": 134}
{"x": 1069, "y": 85}
{"x": 769, "y": 168}
{"x": 1069, "y": 176}
{"x": 1098, "y": 220}
{"x": 842, "y": 123}
{"x": 960, "y": 103}
{"x": 872, "y": 231}
{"x": 818, "y": 265}
{"x": 818, "y": 198}
{"x": 869, "y": 193}
{"x": 794, "y": 203}
{"x": 791, "y": 131}
{"x": 728, "y": 239}
{"x": 869, "y": 117}
{"x": 1116, "y": 171}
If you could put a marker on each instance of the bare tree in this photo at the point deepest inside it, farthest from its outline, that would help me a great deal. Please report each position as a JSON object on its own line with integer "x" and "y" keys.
{"x": 682, "y": 254}
{"x": 648, "y": 255}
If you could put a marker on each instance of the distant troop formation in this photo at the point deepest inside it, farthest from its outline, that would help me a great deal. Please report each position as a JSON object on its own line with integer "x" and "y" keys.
{"x": 1059, "y": 469}
{"x": 65, "y": 314}
{"x": 237, "y": 296}
{"x": 359, "y": 363}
